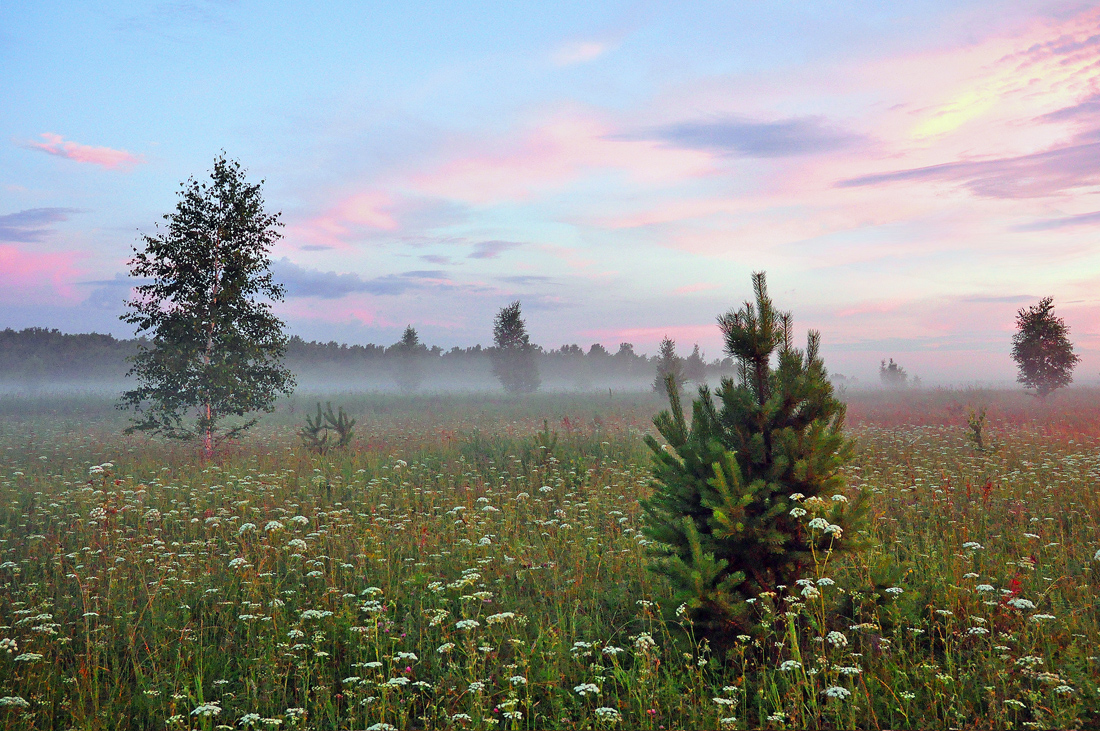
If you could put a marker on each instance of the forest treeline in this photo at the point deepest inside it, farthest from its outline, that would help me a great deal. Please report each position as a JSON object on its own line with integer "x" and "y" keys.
{"x": 47, "y": 359}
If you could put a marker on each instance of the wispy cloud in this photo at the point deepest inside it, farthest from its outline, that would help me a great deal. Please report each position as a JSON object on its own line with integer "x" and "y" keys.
{"x": 105, "y": 157}
{"x": 1039, "y": 174}
{"x": 491, "y": 249}
{"x": 32, "y": 225}
{"x": 577, "y": 52}
{"x": 749, "y": 138}
{"x": 304, "y": 282}
{"x": 1081, "y": 219}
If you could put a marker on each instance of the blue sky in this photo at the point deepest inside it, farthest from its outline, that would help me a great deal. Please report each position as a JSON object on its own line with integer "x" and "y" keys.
{"x": 909, "y": 175}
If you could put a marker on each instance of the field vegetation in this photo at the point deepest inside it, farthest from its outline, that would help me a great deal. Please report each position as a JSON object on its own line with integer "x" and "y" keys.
{"x": 478, "y": 562}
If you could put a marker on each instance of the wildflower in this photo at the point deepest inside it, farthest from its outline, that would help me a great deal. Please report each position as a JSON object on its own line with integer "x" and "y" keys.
{"x": 246, "y": 528}
{"x": 29, "y": 657}
{"x": 970, "y": 575}
{"x": 238, "y": 563}
{"x": 790, "y": 665}
{"x": 1042, "y": 617}
{"x": 14, "y": 701}
{"x": 825, "y": 581}
{"x": 797, "y": 512}
{"x": 818, "y": 524}
{"x": 611, "y": 650}
{"x": 727, "y": 721}
{"x": 835, "y": 691}
{"x": 849, "y": 670}
{"x": 984, "y": 587}
{"x": 467, "y": 624}
{"x": 834, "y": 530}
{"x": 972, "y": 546}
{"x": 445, "y": 648}
{"x": 1019, "y": 603}
{"x": 476, "y": 687}
{"x": 608, "y": 714}
{"x": 1063, "y": 690}
{"x": 839, "y": 498}
{"x": 836, "y": 639}
{"x": 206, "y": 710}
{"x": 517, "y": 680}
{"x": 810, "y": 592}
{"x": 1013, "y": 702}
{"x": 796, "y": 496}
{"x": 272, "y": 526}
{"x": 381, "y": 726}
{"x": 724, "y": 701}
{"x": 644, "y": 642}
{"x": 977, "y": 631}
{"x": 585, "y": 688}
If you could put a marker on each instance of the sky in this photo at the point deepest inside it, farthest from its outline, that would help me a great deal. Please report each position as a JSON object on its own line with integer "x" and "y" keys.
{"x": 909, "y": 175}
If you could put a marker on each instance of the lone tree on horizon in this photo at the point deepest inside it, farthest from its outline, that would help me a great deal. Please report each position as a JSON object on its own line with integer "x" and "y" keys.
{"x": 892, "y": 375}
{"x": 204, "y": 298}
{"x": 513, "y": 356}
{"x": 669, "y": 365}
{"x": 409, "y": 364}
{"x": 1042, "y": 349}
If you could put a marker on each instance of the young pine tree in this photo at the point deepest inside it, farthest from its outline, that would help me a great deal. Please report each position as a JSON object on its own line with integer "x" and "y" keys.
{"x": 1042, "y": 350}
{"x": 204, "y": 298}
{"x": 513, "y": 356}
{"x": 669, "y": 365}
{"x": 747, "y": 494}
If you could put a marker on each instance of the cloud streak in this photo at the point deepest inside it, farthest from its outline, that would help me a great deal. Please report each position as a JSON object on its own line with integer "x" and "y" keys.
{"x": 32, "y": 225}
{"x": 303, "y": 282}
{"x": 1036, "y": 175}
{"x": 746, "y": 138}
{"x": 104, "y": 157}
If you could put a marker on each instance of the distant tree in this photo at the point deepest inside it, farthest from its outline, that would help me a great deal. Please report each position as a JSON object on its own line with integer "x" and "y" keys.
{"x": 408, "y": 355}
{"x": 204, "y": 296}
{"x": 893, "y": 375}
{"x": 1042, "y": 350}
{"x": 513, "y": 356}
{"x": 669, "y": 365}
{"x": 743, "y": 496}
{"x": 695, "y": 368}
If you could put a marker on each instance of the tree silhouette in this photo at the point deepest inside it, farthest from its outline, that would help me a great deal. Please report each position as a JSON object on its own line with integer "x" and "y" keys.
{"x": 669, "y": 365}
{"x": 513, "y": 355}
{"x": 1042, "y": 350}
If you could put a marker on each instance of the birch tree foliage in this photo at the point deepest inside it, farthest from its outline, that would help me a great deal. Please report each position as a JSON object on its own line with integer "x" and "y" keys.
{"x": 203, "y": 301}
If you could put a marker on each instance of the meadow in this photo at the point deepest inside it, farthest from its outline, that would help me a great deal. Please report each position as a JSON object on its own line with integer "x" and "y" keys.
{"x": 477, "y": 562}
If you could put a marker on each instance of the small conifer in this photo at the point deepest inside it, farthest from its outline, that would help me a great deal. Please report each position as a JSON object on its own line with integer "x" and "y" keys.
{"x": 738, "y": 493}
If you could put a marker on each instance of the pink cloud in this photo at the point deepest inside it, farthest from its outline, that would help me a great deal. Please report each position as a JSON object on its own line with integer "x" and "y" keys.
{"x": 367, "y": 211}
{"x": 554, "y": 155}
{"x": 103, "y": 156}
{"x": 37, "y": 278}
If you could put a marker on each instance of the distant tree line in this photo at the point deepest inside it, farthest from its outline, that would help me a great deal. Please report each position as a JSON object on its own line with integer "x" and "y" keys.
{"x": 41, "y": 358}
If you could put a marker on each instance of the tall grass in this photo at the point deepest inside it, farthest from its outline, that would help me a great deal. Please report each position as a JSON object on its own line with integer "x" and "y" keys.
{"x": 479, "y": 564}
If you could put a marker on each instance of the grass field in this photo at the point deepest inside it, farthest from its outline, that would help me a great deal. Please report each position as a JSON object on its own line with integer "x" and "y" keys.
{"x": 478, "y": 563}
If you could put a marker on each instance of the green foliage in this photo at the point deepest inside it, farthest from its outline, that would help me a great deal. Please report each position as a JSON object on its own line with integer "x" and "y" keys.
{"x": 513, "y": 355}
{"x": 669, "y": 365}
{"x": 749, "y": 494}
{"x": 204, "y": 296}
{"x": 316, "y": 434}
{"x": 1042, "y": 350}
